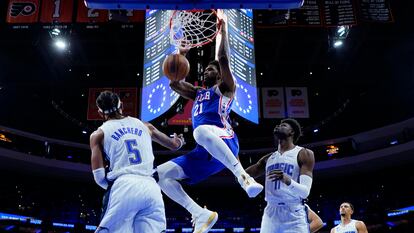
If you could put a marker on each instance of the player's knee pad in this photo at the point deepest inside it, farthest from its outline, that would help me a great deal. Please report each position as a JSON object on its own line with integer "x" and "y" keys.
{"x": 202, "y": 134}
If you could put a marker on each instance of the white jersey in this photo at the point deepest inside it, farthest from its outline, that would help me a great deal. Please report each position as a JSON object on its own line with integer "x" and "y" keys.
{"x": 128, "y": 147}
{"x": 277, "y": 191}
{"x": 348, "y": 228}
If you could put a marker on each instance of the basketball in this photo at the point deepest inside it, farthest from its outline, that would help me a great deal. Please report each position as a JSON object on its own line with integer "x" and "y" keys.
{"x": 176, "y": 67}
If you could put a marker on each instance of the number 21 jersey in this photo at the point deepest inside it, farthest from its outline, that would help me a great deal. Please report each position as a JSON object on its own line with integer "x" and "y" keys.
{"x": 211, "y": 108}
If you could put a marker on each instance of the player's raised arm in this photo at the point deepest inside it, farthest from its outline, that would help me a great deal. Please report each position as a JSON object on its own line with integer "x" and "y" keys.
{"x": 228, "y": 85}
{"x": 172, "y": 143}
{"x": 258, "y": 169}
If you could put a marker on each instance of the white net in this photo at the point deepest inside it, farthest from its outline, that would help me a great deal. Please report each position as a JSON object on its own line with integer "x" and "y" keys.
{"x": 190, "y": 29}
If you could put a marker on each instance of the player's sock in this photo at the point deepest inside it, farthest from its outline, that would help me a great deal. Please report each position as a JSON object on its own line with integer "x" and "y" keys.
{"x": 238, "y": 169}
{"x": 193, "y": 208}
{"x": 175, "y": 191}
{"x": 218, "y": 149}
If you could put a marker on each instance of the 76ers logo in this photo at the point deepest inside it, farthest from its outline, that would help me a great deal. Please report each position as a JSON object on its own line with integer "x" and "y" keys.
{"x": 22, "y": 8}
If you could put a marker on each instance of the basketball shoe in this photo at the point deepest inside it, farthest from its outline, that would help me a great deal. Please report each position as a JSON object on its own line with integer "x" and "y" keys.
{"x": 251, "y": 187}
{"x": 204, "y": 221}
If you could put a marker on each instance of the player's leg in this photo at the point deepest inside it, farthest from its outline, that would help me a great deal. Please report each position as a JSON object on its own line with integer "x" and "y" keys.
{"x": 206, "y": 136}
{"x": 297, "y": 221}
{"x": 192, "y": 168}
{"x": 211, "y": 138}
{"x": 104, "y": 208}
{"x": 269, "y": 222}
{"x": 151, "y": 219}
{"x": 169, "y": 173}
{"x": 119, "y": 213}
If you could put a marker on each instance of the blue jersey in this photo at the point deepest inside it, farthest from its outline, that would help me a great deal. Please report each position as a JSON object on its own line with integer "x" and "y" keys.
{"x": 211, "y": 108}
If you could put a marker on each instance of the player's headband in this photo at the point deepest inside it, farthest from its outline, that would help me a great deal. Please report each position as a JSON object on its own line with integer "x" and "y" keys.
{"x": 109, "y": 111}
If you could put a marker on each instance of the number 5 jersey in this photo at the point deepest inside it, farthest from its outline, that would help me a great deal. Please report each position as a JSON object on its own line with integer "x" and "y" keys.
{"x": 128, "y": 147}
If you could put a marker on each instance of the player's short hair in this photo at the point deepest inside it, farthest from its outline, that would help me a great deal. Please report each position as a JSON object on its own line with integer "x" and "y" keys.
{"x": 216, "y": 64}
{"x": 295, "y": 126}
{"x": 108, "y": 103}
{"x": 350, "y": 205}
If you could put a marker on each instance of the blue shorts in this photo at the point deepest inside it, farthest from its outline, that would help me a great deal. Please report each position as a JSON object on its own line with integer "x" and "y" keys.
{"x": 198, "y": 164}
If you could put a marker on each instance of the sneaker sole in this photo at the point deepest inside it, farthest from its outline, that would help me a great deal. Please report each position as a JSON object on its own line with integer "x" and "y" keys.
{"x": 210, "y": 223}
{"x": 254, "y": 190}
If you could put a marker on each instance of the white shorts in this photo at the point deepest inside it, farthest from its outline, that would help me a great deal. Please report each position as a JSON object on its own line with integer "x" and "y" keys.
{"x": 292, "y": 218}
{"x": 135, "y": 205}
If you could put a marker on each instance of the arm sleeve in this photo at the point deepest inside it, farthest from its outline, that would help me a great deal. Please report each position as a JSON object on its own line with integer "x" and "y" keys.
{"x": 301, "y": 189}
{"x": 100, "y": 179}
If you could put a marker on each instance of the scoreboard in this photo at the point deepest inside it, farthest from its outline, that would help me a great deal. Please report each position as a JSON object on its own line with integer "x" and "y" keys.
{"x": 242, "y": 62}
{"x": 157, "y": 96}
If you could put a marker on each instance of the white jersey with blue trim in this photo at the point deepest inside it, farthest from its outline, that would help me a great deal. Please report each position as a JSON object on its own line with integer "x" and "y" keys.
{"x": 277, "y": 191}
{"x": 348, "y": 228}
{"x": 211, "y": 107}
{"x": 128, "y": 147}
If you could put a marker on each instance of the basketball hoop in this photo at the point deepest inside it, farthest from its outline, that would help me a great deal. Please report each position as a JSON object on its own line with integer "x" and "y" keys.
{"x": 193, "y": 28}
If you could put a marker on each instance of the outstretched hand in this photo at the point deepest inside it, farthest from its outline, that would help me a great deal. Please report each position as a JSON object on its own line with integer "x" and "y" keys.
{"x": 180, "y": 139}
{"x": 183, "y": 51}
{"x": 222, "y": 20}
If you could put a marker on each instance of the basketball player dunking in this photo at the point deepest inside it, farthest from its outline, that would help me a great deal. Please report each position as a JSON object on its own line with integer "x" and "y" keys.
{"x": 347, "y": 224}
{"x": 135, "y": 201}
{"x": 217, "y": 144}
{"x": 288, "y": 181}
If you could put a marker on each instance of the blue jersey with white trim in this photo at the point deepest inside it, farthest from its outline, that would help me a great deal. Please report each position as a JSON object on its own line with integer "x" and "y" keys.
{"x": 211, "y": 108}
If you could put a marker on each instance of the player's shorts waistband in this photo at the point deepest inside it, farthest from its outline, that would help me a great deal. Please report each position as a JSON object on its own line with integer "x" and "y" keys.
{"x": 282, "y": 203}
{"x": 152, "y": 177}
